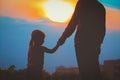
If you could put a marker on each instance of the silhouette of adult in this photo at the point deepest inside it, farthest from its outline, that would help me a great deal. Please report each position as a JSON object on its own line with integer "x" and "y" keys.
{"x": 89, "y": 22}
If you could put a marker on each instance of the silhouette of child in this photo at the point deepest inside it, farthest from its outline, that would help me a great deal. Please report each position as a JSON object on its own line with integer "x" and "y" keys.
{"x": 36, "y": 55}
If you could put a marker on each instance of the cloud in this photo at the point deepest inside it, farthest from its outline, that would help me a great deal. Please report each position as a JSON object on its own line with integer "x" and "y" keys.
{"x": 31, "y": 10}
{"x": 24, "y": 9}
{"x": 112, "y": 20}
{"x": 48, "y": 22}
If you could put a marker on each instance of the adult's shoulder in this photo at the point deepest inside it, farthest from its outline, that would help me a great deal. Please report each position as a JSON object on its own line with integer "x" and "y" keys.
{"x": 101, "y": 5}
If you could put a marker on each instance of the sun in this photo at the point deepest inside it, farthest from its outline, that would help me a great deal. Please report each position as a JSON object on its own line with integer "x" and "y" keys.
{"x": 58, "y": 11}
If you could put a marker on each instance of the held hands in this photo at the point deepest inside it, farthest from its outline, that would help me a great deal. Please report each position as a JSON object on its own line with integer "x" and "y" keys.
{"x": 59, "y": 43}
{"x": 55, "y": 48}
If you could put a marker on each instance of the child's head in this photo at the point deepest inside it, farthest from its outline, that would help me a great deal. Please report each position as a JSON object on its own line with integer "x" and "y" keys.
{"x": 37, "y": 37}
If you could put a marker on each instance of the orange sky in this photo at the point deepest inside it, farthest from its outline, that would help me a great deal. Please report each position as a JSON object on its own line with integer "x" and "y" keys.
{"x": 27, "y": 9}
{"x": 32, "y": 10}
{"x": 19, "y": 9}
{"x": 113, "y": 18}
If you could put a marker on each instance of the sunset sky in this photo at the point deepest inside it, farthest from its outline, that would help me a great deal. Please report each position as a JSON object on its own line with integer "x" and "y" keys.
{"x": 19, "y": 17}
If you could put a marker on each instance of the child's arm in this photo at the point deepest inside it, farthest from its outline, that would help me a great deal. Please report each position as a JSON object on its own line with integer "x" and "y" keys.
{"x": 51, "y": 50}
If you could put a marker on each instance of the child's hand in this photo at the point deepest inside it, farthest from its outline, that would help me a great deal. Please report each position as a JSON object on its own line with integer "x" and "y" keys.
{"x": 51, "y": 50}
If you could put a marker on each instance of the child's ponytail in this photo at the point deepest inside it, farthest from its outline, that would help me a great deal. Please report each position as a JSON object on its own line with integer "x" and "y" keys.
{"x": 31, "y": 43}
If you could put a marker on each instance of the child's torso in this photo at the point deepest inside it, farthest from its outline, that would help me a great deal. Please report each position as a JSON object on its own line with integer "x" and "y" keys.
{"x": 36, "y": 56}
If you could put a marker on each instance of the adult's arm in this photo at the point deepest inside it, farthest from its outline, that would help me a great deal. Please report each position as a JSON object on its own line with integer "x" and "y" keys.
{"x": 71, "y": 26}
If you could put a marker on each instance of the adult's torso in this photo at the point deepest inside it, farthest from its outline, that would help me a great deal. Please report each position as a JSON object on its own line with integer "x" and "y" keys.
{"x": 91, "y": 25}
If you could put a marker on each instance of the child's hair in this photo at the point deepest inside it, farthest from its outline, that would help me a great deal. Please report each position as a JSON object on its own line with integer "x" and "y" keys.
{"x": 36, "y": 36}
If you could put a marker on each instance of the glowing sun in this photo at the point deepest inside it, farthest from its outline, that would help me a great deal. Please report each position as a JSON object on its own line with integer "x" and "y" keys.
{"x": 58, "y": 11}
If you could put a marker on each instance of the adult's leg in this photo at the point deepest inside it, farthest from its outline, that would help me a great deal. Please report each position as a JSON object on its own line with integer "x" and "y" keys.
{"x": 87, "y": 59}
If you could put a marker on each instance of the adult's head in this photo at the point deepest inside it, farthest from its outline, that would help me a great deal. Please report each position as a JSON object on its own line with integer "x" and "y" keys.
{"x": 87, "y": 0}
